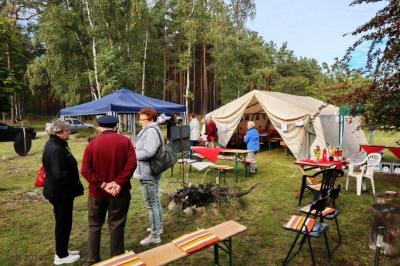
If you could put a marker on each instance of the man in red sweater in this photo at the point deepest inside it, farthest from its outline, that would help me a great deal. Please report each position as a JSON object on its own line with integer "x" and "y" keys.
{"x": 108, "y": 164}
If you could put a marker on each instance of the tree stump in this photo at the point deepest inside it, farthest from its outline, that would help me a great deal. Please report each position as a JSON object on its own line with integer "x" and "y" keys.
{"x": 386, "y": 213}
{"x": 389, "y": 197}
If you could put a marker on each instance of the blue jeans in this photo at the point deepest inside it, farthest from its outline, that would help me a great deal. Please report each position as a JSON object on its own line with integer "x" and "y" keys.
{"x": 192, "y": 143}
{"x": 153, "y": 204}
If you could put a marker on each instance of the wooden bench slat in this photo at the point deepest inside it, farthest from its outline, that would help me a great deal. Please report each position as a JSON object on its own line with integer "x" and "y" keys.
{"x": 222, "y": 167}
{"x": 167, "y": 253}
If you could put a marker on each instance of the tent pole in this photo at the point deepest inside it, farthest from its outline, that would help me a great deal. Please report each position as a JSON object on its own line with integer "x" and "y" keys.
{"x": 185, "y": 118}
{"x": 134, "y": 127}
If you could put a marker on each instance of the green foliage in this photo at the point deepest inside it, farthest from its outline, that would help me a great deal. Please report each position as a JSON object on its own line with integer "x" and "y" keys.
{"x": 181, "y": 35}
{"x": 381, "y": 33}
{"x": 14, "y": 57}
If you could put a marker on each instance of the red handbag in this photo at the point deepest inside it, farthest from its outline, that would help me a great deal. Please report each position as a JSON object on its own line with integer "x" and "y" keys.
{"x": 41, "y": 177}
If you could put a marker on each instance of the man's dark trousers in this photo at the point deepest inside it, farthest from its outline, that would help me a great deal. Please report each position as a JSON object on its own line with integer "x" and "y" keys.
{"x": 117, "y": 208}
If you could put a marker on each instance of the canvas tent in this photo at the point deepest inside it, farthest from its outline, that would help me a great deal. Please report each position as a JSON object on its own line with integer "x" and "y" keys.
{"x": 122, "y": 101}
{"x": 302, "y": 122}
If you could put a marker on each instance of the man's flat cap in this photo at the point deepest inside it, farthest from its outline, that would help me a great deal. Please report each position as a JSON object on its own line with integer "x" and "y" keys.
{"x": 107, "y": 121}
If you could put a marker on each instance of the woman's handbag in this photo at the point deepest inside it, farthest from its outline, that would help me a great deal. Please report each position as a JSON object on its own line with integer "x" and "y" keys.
{"x": 164, "y": 158}
{"x": 41, "y": 177}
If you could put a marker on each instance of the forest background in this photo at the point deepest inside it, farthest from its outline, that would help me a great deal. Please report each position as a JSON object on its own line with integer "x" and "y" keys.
{"x": 195, "y": 52}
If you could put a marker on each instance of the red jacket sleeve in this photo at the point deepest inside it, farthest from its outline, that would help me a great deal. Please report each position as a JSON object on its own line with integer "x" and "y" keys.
{"x": 130, "y": 166}
{"x": 87, "y": 168}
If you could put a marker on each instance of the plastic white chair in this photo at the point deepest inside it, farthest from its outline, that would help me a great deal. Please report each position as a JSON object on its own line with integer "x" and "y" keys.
{"x": 367, "y": 170}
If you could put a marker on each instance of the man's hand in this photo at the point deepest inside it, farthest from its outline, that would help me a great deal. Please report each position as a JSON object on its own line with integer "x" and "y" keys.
{"x": 111, "y": 188}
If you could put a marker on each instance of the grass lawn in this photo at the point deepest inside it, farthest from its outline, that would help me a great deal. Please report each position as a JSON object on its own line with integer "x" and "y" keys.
{"x": 27, "y": 223}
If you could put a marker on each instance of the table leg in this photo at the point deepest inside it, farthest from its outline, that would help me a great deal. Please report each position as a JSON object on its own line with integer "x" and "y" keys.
{"x": 245, "y": 165}
{"x": 216, "y": 255}
{"x": 226, "y": 247}
{"x": 236, "y": 168}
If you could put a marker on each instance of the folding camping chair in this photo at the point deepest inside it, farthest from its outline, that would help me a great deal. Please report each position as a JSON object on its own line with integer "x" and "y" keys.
{"x": 330, "y": 212}
{"x": 309, "y": 227}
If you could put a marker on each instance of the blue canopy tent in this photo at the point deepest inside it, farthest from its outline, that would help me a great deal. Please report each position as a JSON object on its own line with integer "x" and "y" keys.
{"x": 123, "y": 101}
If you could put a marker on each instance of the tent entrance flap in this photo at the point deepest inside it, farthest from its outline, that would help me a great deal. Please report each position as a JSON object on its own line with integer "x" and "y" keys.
{"x": 309, "y": 137}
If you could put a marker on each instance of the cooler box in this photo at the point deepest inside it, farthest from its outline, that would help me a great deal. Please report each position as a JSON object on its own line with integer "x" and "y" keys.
{"x": 396, "y": 168}
{"x": 386, "y": 167}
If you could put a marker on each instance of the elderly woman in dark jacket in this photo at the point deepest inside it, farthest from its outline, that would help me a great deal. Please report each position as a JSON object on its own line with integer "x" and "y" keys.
{"x": 62, "y": 185}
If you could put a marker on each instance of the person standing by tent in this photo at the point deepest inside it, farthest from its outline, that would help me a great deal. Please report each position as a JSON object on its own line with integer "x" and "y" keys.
{"x": 170, "y": 123}
{"x": 61, "y": 187}
{"x": 252, "y": 139}
{"x": 108, "y": 164}
{"x": 149, "y": 140}
{"x": 194, "y": 130}
{"x": 211, "y": 132}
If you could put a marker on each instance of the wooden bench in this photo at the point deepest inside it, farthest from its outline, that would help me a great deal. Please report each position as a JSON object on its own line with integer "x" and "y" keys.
{"x": 221, "y": 169}
{"x": 246, "y": 162}
{"x": 198, "y": 156}
{"x": 273, "y": 142}
{"x": 226, "y": 158}
{"x": 168, "y": 253}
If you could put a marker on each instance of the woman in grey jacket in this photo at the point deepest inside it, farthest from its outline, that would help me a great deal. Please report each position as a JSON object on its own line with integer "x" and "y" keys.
{"x": 148, "y": 141}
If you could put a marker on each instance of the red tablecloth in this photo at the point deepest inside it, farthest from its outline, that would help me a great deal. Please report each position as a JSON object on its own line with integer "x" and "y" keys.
{"x": 372, "y": 148}
{"x": 209, "y": 153}
{"x": 338, "y": 164}
{"x": 395, "y": 151}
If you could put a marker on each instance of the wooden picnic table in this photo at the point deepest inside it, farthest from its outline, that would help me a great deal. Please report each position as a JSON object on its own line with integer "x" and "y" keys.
{"x": 168, "y": 253}
{"x": 237, "y": 155}
{"x": 306, "y": 165}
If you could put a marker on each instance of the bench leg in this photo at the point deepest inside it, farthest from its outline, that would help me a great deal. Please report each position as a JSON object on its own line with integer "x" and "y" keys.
{"x": 227, "y": 248}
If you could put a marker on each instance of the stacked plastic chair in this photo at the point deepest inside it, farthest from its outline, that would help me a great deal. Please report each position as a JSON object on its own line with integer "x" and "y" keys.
{"x": 329, "y": 177}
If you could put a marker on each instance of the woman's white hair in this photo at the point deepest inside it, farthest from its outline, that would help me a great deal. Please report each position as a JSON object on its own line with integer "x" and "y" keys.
{"x": 57, "y": 125}
{"x": 250, "y": 124}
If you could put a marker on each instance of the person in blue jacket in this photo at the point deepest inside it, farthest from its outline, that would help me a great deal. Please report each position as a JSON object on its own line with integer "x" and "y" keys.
{"x": 252, "y": 139}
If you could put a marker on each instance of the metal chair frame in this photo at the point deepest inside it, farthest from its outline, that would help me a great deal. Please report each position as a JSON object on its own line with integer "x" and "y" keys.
{"x": 315, "y": 212}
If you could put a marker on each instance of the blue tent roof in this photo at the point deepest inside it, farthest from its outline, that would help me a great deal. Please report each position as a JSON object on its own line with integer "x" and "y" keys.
{"x": 122, "y": 101}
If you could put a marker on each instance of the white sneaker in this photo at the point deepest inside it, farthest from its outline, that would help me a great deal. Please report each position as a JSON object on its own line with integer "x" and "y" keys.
{"x": 150, "y": 240}
{"x": 69, "y": 259}
{"x": 161, "y": 230}
{"x": 73, "y": 252}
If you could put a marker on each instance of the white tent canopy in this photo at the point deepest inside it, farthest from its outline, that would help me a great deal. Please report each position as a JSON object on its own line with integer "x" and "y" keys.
{"x": 303, "y": 122}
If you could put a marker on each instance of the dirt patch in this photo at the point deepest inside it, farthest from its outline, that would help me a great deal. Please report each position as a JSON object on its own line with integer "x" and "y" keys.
{"x": 29, "y": 196}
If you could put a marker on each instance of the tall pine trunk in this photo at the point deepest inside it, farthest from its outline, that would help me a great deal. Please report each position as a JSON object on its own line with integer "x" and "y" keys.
{"x": 205, "y": 81}
{"x": 144, "y": 61}
{"x": 165, "y": 62}
{"x": 84, "y": 55}
{"x": 12, "y": 102}
{"x": 94, "y": 50}
{"x": 194, "y": 78}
